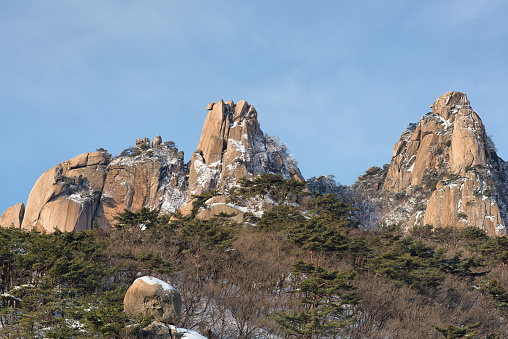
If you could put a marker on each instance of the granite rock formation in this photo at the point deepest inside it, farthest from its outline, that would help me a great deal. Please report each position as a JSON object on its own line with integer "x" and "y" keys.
{"x": 13, "y": 216}
{"x": 155, "y": 178}
{"x": 447, "y": 163}
{"x": 149, "y": 296}
{"x": 232, "y": 146}
{"x": 66, "y": 196}
{"x": 93, "y": 188}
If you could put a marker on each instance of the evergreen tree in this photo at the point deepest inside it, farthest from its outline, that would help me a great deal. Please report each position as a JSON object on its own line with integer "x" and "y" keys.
{"x": 273, "y": 185}
{"x": 280, "y": 217}
{"x": 145, "y": 218}
{"x": 327, "y": 229}
{"x": 327, "y": 303}
{"x": 455, "y": 332}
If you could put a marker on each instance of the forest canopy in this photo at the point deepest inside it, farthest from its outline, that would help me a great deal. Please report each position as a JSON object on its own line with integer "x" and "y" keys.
{"x": 293, "y": 273}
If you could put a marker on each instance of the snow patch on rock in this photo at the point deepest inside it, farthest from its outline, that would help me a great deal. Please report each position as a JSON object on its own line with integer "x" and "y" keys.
{"x": 152, "y": 281}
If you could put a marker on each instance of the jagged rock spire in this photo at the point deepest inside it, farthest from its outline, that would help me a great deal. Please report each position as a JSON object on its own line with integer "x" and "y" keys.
{"x": 233, "y": 146}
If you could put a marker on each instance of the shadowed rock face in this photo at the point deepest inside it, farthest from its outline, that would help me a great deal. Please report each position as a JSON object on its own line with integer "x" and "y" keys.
{"x": 449, "y": 153}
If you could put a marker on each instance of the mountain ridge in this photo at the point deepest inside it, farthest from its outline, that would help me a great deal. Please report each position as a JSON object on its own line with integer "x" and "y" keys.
{"x": 93, "y": 188}
{"x": 444, "y": 171}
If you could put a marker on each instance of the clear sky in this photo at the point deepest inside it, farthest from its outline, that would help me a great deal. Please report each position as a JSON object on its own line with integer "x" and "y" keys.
{"x": 338, "y": 81}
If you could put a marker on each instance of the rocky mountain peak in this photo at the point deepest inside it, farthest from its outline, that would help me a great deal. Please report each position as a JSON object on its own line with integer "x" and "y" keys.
{"x": 447, "y": 101}
{"x": 94, "y": 188}
{"x": 448, "y": 160}
{"x": 66, "y": 196}
{"x": 232, "y": 146}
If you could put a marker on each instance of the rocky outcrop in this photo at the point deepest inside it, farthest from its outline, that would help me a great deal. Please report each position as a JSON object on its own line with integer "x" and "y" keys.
{"x": 149, "y": 296}
{"x": 155, "y": 178}
{"x": 142, "y": 141}
{"x": 463, "y": 204}
{"x": 232, "y": 146}
{"x": 13, "y": 216}
{"x": 218, "y": 205}
{"x": 157, "y": 141}
{"x": 156, "y": 330}
{"x": 92, "y": 188}
{"x": 448, "y": 160}
{"x": 66, "y": 196}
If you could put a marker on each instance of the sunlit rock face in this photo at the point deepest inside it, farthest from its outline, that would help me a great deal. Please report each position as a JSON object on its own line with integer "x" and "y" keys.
{"x": 13, "y": 216}
{"x": 156, "y": 178}
{"x": 66, "y": 196}
{"x": 92, "y": 188}
{"x": 449, "y": 154}
{"x": 233, "y": 146}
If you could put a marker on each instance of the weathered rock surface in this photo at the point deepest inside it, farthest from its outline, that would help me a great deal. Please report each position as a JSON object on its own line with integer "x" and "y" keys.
{"x": 142, "y": 141}
{"x": 157, "y": 141}
{"x": 92, "y": 188}
{"x": 448, "y": 160}
{"x": 13, "y": 216}
{"x": 463, "y": 204}
{"x": 149, "y": 296}
{"x": 156, "y": 178}
{"x": 156, "y": 330}
{"x": 217, "y": 205}
{"x": 232, "y": 146}
{"x": 66, "y": 196}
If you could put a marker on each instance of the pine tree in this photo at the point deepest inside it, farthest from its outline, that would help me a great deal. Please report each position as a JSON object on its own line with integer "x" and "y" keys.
{"x": 327, "y": 303}
{"x": 455, "y": 332}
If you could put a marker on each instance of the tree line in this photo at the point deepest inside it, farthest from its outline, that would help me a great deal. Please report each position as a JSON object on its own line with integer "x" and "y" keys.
{"x": 302, "y": 270}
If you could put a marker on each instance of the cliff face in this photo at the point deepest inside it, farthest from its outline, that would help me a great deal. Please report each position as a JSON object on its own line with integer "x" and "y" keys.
{"x": 66, "y": 196}
{"x": 232, "y": 146}
{"x": 444, "y": 172}
{"x": 90, "y": 188}
{"x": 13, "y": 216}
{"x": 449, "y": 162}
{"x": 155, "y": 177}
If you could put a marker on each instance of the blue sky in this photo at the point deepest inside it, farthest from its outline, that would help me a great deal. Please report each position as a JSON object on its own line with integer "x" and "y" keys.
{"x": 338, "y": 81}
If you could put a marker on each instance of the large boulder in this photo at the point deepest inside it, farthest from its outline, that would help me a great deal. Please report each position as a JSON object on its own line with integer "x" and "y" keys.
{"x": 149, "y": 296}
{"x": 157, "y": 141}
{"x": 13, "y": 216}
{"x": 66, "y": 196}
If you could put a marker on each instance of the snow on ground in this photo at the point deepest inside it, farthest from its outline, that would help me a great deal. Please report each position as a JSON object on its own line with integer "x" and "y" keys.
{"x": 189, "y": 334}
{"x": 446, "y": 122}
{"x": 411, "y": 168}
{"x": 205, "y": 174}
{"x": 237, "y": 145}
